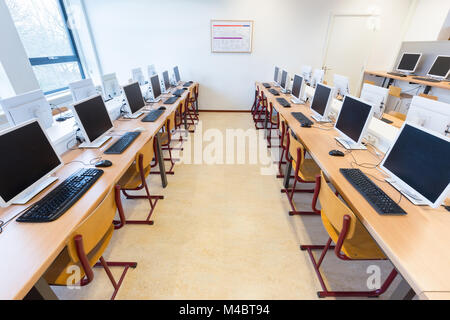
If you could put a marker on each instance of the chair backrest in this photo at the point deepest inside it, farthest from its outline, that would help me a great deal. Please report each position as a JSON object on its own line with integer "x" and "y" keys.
{"x": 147, "y": 152}
{"x": 294, "y": 145}
{"x": 170, "y": 123}
{"x": 186, "y": 102}
{"x": 429, "y": 96}
{"x": 395, "y": 91}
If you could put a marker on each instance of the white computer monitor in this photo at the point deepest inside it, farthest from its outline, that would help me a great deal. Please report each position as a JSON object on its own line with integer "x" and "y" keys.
{"x": 176, "y": 72}
{"x": 134, "y": 100}
{"x": 440, "y": 68}
{"x": 166, "y": 80}
{"x": 430, "y": 114}
{"x": 138, "y": 75}
{"x": 82, "y": 89}
{"x": 111, "y": 86}
{"x": 306, "y": 73}
{"x": 341, "y": 85}
{"x": 322, "y": 102}
{"x": 94, "y": 121}
{"x": 353, "y": 122}
{"x": 25, "y": 107}
{"x": 284, "y": 81}
{"x": 418, "y": 165}
{"x": 30, "y": 160}
{"x": 377, "y": 96}
{"x": 298, "y": 90}
{"x": 151, "y": 70}
{"x": 317, "y": 77}
{"x": 409, "y": 62}
{"x": 155, "y": 86}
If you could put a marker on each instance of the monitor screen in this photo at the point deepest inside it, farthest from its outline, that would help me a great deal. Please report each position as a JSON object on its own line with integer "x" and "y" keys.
{"x": 284, "y": 79}
{"x": 353, "y": 118}
{"x": 166, "y": 79}
{"x": 277, "y": 74}
{"x": 94, "y": 117}
{"x": 156, "y": 87}
{"x": 441, "y": 67}
{"x": 28, "y": 157}
{"x": 421, "y": 160}
{"x": 176, "y": 71}
{"x": 297, "y": 87}
{"x": 409, "y": 62}
{"x": 134, "y": 96}
{"x": 321, "y": 98}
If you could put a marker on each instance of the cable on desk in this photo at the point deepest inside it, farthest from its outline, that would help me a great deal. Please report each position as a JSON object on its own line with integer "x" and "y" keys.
{"x": 91, "y": 162}
{"x": 1, "y": 226}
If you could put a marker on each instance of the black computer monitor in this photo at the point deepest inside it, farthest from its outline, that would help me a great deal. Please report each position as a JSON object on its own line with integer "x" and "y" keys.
{"x": 176, "y": 71}
{"x": 134, "y": 97}
{"x": 283, "y": 83}
{"x": 156, "y": 86}
{"x": 408, "y": 62}
{"x": 440, "y": 68}
{"x": 27, "y": 157}
{"x": 93, "y": 118}
{"x": 322, "y": 100}
{"x": 297, "y": 87}
{"x": 277, "y": 74}
{"x": 166, "y": 80}
{"x": 420, "y": 160}
{"x": 354, "y": 118}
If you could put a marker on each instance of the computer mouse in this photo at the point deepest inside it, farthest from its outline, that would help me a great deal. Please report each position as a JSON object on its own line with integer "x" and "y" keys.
{"x": 103, "y": 164}
{"x": 336, "y": 153}
{"x": 140, "y": 129}
{"x": 306, "y": 125}
{"x": 163, "y": 108}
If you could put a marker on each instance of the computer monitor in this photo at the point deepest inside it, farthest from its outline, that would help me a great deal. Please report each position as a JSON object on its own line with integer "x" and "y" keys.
{"x": 111, "y": 86}
{"x": 82, "y": 89}
{"x": 166, "y": 81}
{"x": 341, "y": 85}
{"x": 409, "y": 62}
{"x": 151, "y": 70}
{"x": 276, "y": 77}
{"x": 29, "y": 160}
{"x": 176, "y": 72}
{"x": 321, "y": 103}
{"x": 441, "y": 68}
{"x": 134, "y": 98}
{"x": 353, "y": 121}
{"x": 317, "y": 77}
{"x": 306, "y": 73}
{"x": 284, "y": 81}
{"x": 376, "y": 96}
{"x": 298, "y": 90}
{"x": 419, "y": 165}
{"x": 155, "y": 87}
{"x": 94, "y": 121}
{"x": 430, "y": 114}
{"x": 138, "y": 76}
{"x": 24, "y": 107}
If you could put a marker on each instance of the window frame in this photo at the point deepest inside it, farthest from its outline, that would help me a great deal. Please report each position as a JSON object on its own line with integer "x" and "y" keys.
{"x": 42, "y": 61}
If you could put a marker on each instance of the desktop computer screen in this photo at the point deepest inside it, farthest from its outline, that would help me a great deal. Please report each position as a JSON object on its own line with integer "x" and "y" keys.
{"x": 276, "y": 75}
{"x": 176, "y": 72}
{"x": 440, "y": 68}
{"x": 409, "y": 62}
{"x": 166, "y": 80}
{"x": 322, "y": 100}
{"x": 156, "y": 86}
{"x": 419, "y": 159}
{"x": 354, "y": 118}
{"x": 134, "y": 97}
{"x": 283, "y": 82}
{"x": 298, "y": 87}
{"x": 93, "y": 118}
{"x": 29, "y": 157}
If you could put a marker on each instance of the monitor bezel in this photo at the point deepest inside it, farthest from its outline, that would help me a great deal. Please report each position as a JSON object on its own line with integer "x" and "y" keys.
{"x": 403, "y": 184}
{"x": 168, "y": 80}
{"x": 5, "y": 204}
{"x": 435, "y": 76}
{"x": 415, "y": 67}
{"x": 175, "y": 74}
{"x": 151, "y": 86}
{"x": 281, "y": 79}
{"x": 302, "y": 87}
{"x": 329, "y": 102}
{"x": 366, "y": 125}
{"x": 80, "y": 123}
{"x": 126, "y": 97}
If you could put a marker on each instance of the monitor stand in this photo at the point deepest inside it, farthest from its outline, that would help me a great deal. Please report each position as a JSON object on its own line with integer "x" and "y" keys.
{"x": 414, "y": 198}
{"x": 96, "y": 144}
{"x": 24, "y": 199}
{"x": 349, "y": 144}
{"x": 321, "y": 119}
{"x": 154, "y": 100}
{"x": 298, "y": 101}
{"x": 276, "y": 85}
{"x": 133, "y": 116}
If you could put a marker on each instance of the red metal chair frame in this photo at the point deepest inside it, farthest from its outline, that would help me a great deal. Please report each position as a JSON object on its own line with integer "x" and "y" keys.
{"x": 272, "y": 126}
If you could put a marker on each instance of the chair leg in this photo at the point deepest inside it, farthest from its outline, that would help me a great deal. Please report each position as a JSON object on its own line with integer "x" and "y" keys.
{"x": 290, "y": 195}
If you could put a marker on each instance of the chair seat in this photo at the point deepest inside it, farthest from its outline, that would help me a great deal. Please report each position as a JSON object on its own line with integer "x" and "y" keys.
{"x": 309, "y": 170}
{"x": 132, "y": 178}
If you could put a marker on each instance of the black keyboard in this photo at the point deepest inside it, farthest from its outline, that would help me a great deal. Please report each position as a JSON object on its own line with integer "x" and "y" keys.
{"x": 179, "y": 92}
{"x": 188, "y": 84}
{"x": 267, "y": 85}
{"x": 62, "y": 198}
{"x": 397, "y": 74}
{"x": 284, "y": 102}
{"x": 123, "y": 143}
{"x": 387, "y": 121}
{"x": 304, "y": 121}
{"x": 171, "y": 100}
{"x": 274, "y": 92}
{"x": 426, "y": 79}
{"x": 379, "y": 200}
{"x": 153, "y": 116}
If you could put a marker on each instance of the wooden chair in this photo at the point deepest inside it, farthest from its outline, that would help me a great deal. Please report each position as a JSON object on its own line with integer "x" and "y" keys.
{"x": 189, "y": 113}
{"x": 428, "y": 96}
{"x": 194, "y": 103}
{"x": 256, "y": 102}
{"x": 283, "y": 128}
{"x": 398, "y": 115}
{"x": 272, "y": 124}
{"x": 352, "y": 240}
{"x": 306, "y": 171}
{"x": 179, "y": 124}
{"x": 134, "y": 179}
{"x": 261, "y": 111}
{"x": 166, "y": 140}
{"x": 85, "y": 247}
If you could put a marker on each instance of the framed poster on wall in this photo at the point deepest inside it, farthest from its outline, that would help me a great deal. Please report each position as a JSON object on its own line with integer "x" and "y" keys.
{"x": 231, "y": 36}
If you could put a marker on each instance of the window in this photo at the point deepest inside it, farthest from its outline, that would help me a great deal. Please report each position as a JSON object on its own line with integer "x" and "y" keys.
{"x": 49, "y": 43}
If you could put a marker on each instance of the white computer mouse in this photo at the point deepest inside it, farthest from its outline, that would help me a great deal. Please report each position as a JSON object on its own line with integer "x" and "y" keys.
{"x": 140, "y": 129}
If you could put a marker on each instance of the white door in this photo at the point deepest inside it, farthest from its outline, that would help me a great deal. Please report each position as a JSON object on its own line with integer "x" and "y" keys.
{"x": 348, "y": 48}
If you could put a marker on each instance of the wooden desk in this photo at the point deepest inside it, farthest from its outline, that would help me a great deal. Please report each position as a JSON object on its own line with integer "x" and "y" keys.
{"x": 384, "y": 74}
{"x": 417, "y": 244}
{"x": 27, "y": 250}
{"x": 434, "y": 296}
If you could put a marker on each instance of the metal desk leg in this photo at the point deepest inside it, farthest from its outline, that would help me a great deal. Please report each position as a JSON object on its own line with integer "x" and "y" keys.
{"x": 41, "y": 291}
{"x": 287, "y": 175}
{"x": 162, "y": 166}
{"x": 403, "y": 292}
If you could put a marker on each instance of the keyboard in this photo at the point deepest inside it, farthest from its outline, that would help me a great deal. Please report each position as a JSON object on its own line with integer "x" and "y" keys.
{"x": 426, "y": 79}
{"x": 179, "y": 92}
{"x": 397, "y": 74}
{"x": 123, "y": 143}
{"x": 304, "y": 121}
{"x": 284, "y": 102}
{"x": 187, "y": 84}
{"x": 171, "y": 100}
{"x": 274, "y": 92}
{"x": 379, "y": 200}
{"x": 267, "y": 85}
{"x": 153, "y": 116}
{"x": 62, "y": 198}
{"x": 387, "y": 121}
